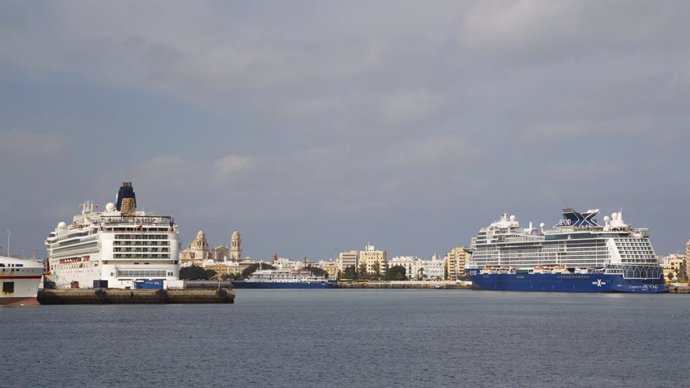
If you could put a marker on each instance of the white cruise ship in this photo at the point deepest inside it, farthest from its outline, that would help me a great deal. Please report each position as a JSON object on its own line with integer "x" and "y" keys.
{"x": 113, "y": 248}
{"x": 19, "y": 280}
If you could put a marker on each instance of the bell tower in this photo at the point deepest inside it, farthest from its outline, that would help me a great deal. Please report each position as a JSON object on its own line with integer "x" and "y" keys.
{"x": 235, "y": 246}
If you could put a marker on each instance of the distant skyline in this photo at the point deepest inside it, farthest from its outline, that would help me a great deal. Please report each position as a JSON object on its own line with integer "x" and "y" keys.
{"x": 314, "y": 127}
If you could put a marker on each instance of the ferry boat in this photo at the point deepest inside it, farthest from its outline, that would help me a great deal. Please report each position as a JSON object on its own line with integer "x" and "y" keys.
{"x": 113, "y": 248}
{"x": 284, "y": 278}
{"x": 20, "y": 280}
{"x": 576, "y": 255}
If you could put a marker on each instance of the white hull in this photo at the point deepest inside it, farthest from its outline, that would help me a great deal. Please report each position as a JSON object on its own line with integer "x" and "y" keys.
{"x": 19, "y": 281}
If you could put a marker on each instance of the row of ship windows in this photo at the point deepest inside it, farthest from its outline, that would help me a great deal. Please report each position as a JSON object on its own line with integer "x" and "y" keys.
{"x": 136, "y": 229}
{"x": 141, "y": 243}
{"x": 63, "y": 267}
{"x": 142, "y": 273}
{"x": 141, "y": 236}
{"x": 639, "y": 260}
{"x": 134, "y": 237}
{"x": 143, "y": 256}
{"x": 164, "y": 249}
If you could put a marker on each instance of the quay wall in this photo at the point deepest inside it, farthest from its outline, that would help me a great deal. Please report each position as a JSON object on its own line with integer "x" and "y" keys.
{"x": 442, "y": 284}
{"x": 679, "y": 289}
{"x": 134, "y": 296}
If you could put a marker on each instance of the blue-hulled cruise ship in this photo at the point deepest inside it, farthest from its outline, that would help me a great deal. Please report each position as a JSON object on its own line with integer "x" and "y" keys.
{"x": 576, "y": 255}
{"x": 284, "y": 278}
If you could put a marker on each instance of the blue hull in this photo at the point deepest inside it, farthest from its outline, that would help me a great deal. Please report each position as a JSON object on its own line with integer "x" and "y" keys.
{"x": 245, "y": 284}
{"x": 566, "y": 283}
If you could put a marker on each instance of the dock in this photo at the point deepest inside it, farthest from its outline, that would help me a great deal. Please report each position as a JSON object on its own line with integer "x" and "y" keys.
{"x": 135, "y": 296}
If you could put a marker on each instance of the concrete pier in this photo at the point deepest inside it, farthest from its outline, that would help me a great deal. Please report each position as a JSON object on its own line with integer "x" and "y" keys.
{"x": 135, "y": 296}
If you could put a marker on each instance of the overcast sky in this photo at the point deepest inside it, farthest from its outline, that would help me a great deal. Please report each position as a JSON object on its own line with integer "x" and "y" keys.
{"x": 314, "y": 127}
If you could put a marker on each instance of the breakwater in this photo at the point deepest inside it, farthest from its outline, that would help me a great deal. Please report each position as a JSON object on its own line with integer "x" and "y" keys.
{"x": 135, "y": 296}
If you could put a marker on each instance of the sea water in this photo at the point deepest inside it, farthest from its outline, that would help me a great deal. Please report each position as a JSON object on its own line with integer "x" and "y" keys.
{"x": 354, "y": 337}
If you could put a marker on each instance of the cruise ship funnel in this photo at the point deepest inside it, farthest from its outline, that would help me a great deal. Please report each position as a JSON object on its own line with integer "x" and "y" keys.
{"x": 126, "y": 200}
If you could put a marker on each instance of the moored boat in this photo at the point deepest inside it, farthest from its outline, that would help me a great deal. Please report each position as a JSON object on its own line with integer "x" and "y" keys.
{"x": 19, "y": 280}
{"x": 284, "y": 278}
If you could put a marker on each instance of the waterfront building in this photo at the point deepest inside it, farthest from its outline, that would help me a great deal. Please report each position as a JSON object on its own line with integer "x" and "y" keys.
{"x": 411, "y": 264}
{"x": 196, "y": 252}
{"x": 687, "y": 255}
{"x": 347, "y": 259}
{"x": 331, "y": 267}
{"x": 374, "y": 261}
{"x": 675, "y": 267}
{"x": 224, "y": 269}
{"x": 419, "y": 269}
{"x": 434, "y": 269}
{"x": 455, "y": 263}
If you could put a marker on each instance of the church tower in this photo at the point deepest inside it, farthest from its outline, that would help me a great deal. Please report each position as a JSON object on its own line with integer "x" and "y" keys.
{"x": 235, "y": 246}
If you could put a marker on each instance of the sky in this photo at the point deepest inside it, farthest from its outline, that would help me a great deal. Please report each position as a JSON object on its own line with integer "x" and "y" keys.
{"x": 315, "y": 127}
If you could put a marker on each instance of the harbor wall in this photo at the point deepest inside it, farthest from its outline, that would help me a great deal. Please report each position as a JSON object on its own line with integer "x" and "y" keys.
{"x": 134, "y": 296}
{"x": 440, "y": 284}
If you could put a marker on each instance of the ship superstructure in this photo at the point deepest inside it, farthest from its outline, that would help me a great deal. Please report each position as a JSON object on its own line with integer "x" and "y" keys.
{"x": 577, "y": 254}
{"x": 113, "y": 248}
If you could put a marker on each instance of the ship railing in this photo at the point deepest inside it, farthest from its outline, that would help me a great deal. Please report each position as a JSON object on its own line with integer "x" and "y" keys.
{"x": 136, "y": 220}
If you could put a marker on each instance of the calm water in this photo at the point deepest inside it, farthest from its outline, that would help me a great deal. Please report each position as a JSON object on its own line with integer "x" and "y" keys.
{"x": 360, "y": 338}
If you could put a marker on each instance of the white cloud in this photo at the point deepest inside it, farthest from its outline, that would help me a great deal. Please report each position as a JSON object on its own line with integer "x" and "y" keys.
{"x": 21, "y": 143}
{"x": 231, "y": 166}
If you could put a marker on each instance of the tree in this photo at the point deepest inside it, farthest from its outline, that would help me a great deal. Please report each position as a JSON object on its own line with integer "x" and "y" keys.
{"x": 377, "y": 270}
{"x": 196, "y": 273}
{"x": 350, "y": 272}
{"x": 683, "y": 271}
{"x": 363, "y": 272}
{"x": 316, "y": 271}
{"x": 396, "y": 272}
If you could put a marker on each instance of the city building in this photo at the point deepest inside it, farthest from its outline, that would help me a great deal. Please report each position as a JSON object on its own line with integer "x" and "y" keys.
{"x": 434, "y": 269}
{"x": 418, "y": 269}
{"x": 347, "y": 259}
{"x": 331, "y": 267}
{"x": 411, "y": 264}
{"x": 455, "y": 263}
{"x": 375, "y": 261}
{"x": 675, "y": 267}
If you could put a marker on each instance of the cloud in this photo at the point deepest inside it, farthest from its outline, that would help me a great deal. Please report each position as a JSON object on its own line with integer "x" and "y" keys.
{"x": 230, "y": 166}
{"x": 26, "y": 144}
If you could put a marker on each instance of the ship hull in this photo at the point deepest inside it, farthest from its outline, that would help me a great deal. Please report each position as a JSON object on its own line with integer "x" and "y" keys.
{"x": 566, "y": 283}
{"x": 19, "y": 286}
{"x": 268, "y": 285}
